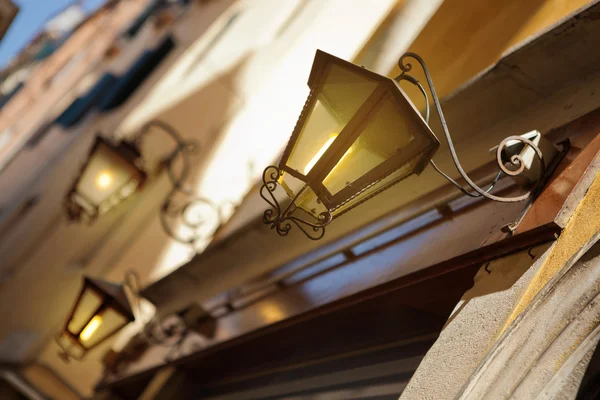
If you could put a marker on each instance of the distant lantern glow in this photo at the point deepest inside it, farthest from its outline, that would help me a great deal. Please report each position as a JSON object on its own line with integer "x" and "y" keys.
{"x": 272, "y": 312}
{"x": 101, "y": 310}
{"x": 104, "y": 180}
{"x": 91, "y": 328}
{"x": 111, "y": 173}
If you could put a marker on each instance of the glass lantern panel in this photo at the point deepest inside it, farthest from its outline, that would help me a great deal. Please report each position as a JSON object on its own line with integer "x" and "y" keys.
{"x": 388, "y": 132}
{"x": 342, "y": 93}
{"x": 397, "y": 176}
{"x": 84, "y": 203}
{"x": 307, "y": 200}
{"x": 64, "y": 340}
{"x": 105, "y": 176}
{"x": 69, "y": 344}
{"x": 101, "y": 326}
{"x": 86, "y": 307}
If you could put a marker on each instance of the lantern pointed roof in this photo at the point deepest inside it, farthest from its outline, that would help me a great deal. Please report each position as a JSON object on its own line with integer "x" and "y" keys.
{"x": 322, "y": 59}
{"x": 114, "y": 291}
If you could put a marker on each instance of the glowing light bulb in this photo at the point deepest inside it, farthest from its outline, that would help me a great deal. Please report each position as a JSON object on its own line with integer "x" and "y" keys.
{"x": 104, "y": 180}
{"x": 91, "y": 328}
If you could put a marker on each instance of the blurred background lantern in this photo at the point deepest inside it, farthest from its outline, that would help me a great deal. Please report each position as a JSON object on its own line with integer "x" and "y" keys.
{"x": 99, "y": 312}
{"x": 111, "y": 174}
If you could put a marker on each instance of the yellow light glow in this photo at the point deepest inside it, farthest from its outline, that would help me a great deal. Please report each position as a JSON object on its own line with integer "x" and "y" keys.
{"x": 236, "y": 149}
{"x": 91, "y": 327}
{"x": 104, "y": 180}
{"x": 272, "y": 312}
{"x": 320, "y": 153}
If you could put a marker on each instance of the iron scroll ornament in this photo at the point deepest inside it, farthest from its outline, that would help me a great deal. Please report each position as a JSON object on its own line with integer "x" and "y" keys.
{"x": 516, "y": 161}
{"x": 179, "y": 214}
{"x": 281, "y": 221}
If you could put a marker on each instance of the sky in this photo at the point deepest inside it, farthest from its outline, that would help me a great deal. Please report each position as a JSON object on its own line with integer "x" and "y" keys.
{"x": 29, "y": 21}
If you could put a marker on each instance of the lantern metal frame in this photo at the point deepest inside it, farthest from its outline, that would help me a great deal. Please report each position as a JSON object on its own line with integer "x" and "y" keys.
{"x": 281, "y": 218}
{"x": 386, "y": 88}
{"x": 155, "y": 332}
{"x": 113, "y": 296}
{"x": 170, "y": 209}
{"x": 127, "y": 152}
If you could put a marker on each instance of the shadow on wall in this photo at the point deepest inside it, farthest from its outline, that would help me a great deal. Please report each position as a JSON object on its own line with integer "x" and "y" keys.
{"x": 7, "y": 392}
{"x": 147, "y": 242}
{"x": 200, "y": 117}
{"x": 48, "y": 382}
{"x": 464, "y": 37}
{"x": 499, "y": 276}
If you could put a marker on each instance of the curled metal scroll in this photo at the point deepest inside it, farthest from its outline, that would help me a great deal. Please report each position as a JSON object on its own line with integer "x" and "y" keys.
{"x": 516, "y": 160}
{"x": 170, "y": 333}
{"x": 176, "y": 216}
{"x": 282, "y": 220}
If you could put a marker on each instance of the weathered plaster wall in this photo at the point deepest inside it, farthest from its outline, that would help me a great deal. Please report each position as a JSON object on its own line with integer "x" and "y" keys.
{"x": 582, "y": 226}
{"x": 546, "y": 343}
{"x": 464, "y": 37}
{"x": 48, "y": 383}
{"x": 519, "y": 325}
{"x": 473, "y": 325}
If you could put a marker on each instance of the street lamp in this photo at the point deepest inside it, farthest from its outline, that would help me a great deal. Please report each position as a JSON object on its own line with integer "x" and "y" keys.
{"x": 114, "y": 172}
{"x": 358, "y": 135}
{"x": 103, "y": 308}
{"x": 111, "y": 174}
{"x": 100, "y": 311}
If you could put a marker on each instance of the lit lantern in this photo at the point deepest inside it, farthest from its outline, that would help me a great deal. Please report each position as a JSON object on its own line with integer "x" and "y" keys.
{"x": 100, "y": 311}
{"x": 110, "y": 175}
{"x": 357, "y": 135}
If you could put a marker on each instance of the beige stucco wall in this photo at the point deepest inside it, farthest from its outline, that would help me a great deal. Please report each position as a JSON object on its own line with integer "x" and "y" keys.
{"x": 464, "y": 37}
{"x": 46, "y": 381}
{"x": 74, "y": 371}
{"x": 490, "y": 331}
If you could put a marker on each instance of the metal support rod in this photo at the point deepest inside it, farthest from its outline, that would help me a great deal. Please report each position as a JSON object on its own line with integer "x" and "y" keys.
{"x": 515, "y": 160}
{"x": 165, "y": 338}
{"x": 181, "y": 213}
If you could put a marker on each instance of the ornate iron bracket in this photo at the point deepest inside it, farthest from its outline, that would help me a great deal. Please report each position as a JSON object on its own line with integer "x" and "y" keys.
{"x": 154, "y": 331}
{"x": 175, "y": 215}
{"x": 516, "y": 161}
{"x": 66, "y": 353}
{"x": 281, "y": 220}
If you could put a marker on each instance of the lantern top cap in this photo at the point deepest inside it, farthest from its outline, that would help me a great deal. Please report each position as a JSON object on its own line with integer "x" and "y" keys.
{"x": 127, "y": 149}
{"x": 322, "y": 59}
{"x": 114, "y": 291}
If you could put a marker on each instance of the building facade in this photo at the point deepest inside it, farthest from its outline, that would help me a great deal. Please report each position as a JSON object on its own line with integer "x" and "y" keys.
{"x": 9, "y": 11}
{"x": 419, "y": 293}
